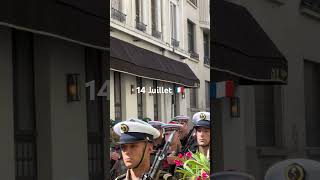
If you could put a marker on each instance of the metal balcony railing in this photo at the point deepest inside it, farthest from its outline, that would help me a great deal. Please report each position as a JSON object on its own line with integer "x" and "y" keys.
{"x": 194, "y": 55}
{"x": 25, "y": 156}
{"x": 207, "y": 60}
{"x": 118, "y": 15}
{"x": 194, "y": 2}
{"x": 156, "y": 33}
{"x": 174, "y": 42}
{"x": 140, "y": 25}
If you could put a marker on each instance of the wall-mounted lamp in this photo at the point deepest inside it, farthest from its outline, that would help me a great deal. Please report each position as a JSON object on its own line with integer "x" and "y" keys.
{"x": 235, "y": 107}
{"x": 133, "y": 89}
{"x": 183, "y": 95}
{"x": 73, "y": 90}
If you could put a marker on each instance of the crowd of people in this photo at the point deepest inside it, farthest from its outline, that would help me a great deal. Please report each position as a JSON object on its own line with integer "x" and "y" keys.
{"x": 136, "y": 143}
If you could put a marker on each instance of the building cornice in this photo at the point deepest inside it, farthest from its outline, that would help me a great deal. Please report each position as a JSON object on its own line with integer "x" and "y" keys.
{"x": 147, "y": 38}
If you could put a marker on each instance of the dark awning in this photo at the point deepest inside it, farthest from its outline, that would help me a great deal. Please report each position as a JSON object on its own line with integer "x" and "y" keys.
{"x": 79, "y": 21}
{"x": 127, "y": 58}
{"x": 242, "y": 50}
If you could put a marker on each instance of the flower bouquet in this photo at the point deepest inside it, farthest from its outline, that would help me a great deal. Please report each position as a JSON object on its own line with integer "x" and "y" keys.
{"x": 193, "y": 166}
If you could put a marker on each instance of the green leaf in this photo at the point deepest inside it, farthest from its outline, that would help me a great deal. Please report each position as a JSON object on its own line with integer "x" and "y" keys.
{"x": 184, "y": 176}
{"x": 194, "y": 166}
{"x": 193, "y": 162}
{"x": 203, "y": 158}
{"x": 185, "y": 172}
{"x": 188, "y": 169}
{"x": 196, "y": 156}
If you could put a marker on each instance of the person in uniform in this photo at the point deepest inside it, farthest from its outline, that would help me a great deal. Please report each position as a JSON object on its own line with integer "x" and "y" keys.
{"x": 115, "y": 158}
{"x": 175, "y": 147}
{"x": 186, "y": 135}
{"x": 294, "y": 169}
{"x": 160, "y": 141}
{"x": 202, "y": 128}
{"x": 168, "y": 130}
{"x": 136, "y": 143}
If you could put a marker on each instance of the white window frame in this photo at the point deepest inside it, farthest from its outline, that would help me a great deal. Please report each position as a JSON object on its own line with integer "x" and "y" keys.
{"x": 177, "y": 20}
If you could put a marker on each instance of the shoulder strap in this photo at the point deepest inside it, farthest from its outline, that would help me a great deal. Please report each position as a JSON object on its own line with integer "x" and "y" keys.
{"x": 123, "y": 176}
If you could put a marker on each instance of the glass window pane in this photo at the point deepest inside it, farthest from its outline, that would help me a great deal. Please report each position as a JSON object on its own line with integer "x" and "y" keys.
{"x": 207, "y": 89}
{"x": 23, "y": 82}
{"x": 24, "y": 108}
{"x": 191, "y": 36}
{"x": 193, "y": 97}
{"x": 173, "y": 21}
{"x": 139, "y": 99}
{"x": 312, "y": 103}
{"x": 156, "y": 102}
{"x": 265, "y": 116}
{"x": 117, "y": 95}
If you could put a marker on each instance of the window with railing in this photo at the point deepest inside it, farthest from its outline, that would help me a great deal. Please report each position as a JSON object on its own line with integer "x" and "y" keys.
{"x": 116, "y": 11}
{"x": 207, "y": 91}
{"x": 206, "y": 48}
{"x": 139, "y": 16}
{"x": 139, "y": 99}
{"x": 193, "y": 98}
{"x": 268, "y": 113}
{"x": 311, "y": 4}
{"x": 312, "y": 103}
{"x": 24, "y": 107}
{"x": 155, "y": 12}
{"x": 192, "y": 40}
{"x": 156, "y": 102}
{"x": 95, "y": 133}
{"x": 194, "y": 2}
{"x": 117, "y": 95}
{"x": 173, "y": 19}
{"x": 175, "y": 102}
{"x": 191, "y": 36}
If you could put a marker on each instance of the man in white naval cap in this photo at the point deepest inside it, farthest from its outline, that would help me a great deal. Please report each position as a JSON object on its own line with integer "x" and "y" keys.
{"x": 186, "y": 134}
{"x": 136, "y": 142}
{"x": 294, "y": 169}
{"x": 202, "y": 126}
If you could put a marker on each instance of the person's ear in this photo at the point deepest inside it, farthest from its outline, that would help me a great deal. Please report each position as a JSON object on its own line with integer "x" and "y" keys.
{"x": 150, "y": 147}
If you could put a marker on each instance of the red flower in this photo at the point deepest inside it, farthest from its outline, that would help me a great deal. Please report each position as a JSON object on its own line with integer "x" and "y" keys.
{"x": 180, "y": 155}
{"x": 189, "y": 155}
{"x": 204, "y": 175}
{"x": 178, "y": 162}
{"x": 198, "y": 178}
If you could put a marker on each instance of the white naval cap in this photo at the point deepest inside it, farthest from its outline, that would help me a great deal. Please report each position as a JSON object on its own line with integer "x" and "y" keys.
{"x": 201, "y": 119}
{"x": 232, "y": 175}
{"x": 294, "y": 169}
{"x": 182, "y": 117}
{"x": 134, "y": 130}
